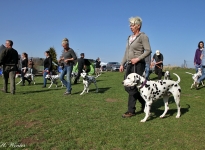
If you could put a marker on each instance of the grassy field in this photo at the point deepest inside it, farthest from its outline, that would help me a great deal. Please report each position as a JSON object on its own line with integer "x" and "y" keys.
{"x": 41, "y": 118}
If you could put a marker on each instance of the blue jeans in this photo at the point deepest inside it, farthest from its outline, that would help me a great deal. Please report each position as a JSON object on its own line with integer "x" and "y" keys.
{"x": 67, "y": 70}
{"x": 203, "y": 75}
{"x": 147, "y": 68}
{"x": 198, "y": 66}
{"x": 44, "y": 77}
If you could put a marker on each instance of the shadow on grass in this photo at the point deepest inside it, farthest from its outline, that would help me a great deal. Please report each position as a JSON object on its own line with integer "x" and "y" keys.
{"x": 156, "y": 112}
{"x": 100, "y": 90}
{"x": 39, "y": 91}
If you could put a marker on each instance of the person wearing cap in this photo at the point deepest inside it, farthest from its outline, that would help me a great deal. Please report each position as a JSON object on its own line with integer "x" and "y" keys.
{"x": 158, "y": 58}
{"x": 137, "y": 49}
{"x": 68, "y": 57}
{"x": 81, "y": 66}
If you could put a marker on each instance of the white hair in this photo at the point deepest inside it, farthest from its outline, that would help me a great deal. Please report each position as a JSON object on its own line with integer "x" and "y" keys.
{"x": 65, "y": 41}
{"x": 135, "y": 20}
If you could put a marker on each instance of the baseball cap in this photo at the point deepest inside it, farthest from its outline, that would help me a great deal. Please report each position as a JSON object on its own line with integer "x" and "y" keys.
{"x": 157, "y": 52}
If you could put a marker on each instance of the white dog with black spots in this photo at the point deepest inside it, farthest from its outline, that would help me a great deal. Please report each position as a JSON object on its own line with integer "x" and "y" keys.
{"x": 87, "y": 80}
{"x": 152, "y": 90}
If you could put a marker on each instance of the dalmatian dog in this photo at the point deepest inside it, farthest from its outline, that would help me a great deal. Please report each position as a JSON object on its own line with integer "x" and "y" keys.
{"x": 87, "y": 80}
{"x": 29, "y": 76}
{"x": 167, "y": 75}
{"x": 53, "y": 79}
{"x": 195, "y": 77}
{"x": 153, "y": 90}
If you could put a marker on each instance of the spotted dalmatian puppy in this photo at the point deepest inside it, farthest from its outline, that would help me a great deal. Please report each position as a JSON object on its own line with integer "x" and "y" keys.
{"x": 87, "y": 80}
{"x": 167, "y": 75}
{"x": 153, "y": 90}
{"x": 195, "y": 77}
{"x": 53, "y": 79}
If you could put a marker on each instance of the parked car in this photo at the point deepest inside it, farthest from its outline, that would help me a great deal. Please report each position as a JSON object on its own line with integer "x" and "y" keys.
{"x": 113, "y": 66}
{"x": 103, "y": 68}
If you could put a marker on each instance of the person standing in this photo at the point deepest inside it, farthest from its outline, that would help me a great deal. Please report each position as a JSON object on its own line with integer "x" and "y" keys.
{"x": 24, "y": 68}
{"x": 30, "y": 65}
{"x": 9, "y": 59}
{"x": 200, "y": 79}
{"x": 147, "y": 66}
{"x": 68, "y": 57}
{"x": 197, "y": 59}
{"x": 97, "y": 66}
{"x": 47, "y": 67}
{"x": 137, "y": 49}
{"x": 81, "y": 66}
{"x": 158, "y": 58}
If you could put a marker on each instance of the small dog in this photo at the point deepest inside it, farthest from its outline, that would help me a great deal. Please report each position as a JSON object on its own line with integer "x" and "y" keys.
{"x": 153, "y": 90}
{"x": 196, "y": 76}
{"x": 87, "y": 80}
{"x": 53, "y": 79}
{"x": 29, "y": 76}
{"x": 167, "y": 75}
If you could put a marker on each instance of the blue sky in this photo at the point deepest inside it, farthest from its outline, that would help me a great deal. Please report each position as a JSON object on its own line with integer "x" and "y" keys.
{"x": 100, "y": 28}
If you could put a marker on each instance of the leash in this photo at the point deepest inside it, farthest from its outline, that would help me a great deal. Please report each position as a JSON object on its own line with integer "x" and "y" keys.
{"x": 145, "y": 81}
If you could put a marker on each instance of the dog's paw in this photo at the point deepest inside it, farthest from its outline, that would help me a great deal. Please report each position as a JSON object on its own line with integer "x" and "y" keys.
{"x": 143, "y": 120}
{"x": 162, "y": 116}
{"x": 177, "y": 116}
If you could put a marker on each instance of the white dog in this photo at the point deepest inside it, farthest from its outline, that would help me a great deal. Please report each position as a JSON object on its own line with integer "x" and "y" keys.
{"x": 29, "y": 76}
{"x": 152, "y": 90}
{"x": 87, "y": 80}
{"x": 53, "y": 79}
{"x": 196, "y": 76}
{"x": 167, "y": 75}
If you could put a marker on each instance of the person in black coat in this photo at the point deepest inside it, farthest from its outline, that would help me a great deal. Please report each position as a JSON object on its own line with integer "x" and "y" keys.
{"x": 81, "y": 66}
{"x": 47, "y": 67}
{"x": 24, "y": 68}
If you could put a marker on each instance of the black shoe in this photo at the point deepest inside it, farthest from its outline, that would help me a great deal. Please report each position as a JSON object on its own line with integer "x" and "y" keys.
{"x": 128, "y": 114}
{"x": 43, "y": 86}
{"x": 75, "y": 82}
{"x": 29, "y": 82}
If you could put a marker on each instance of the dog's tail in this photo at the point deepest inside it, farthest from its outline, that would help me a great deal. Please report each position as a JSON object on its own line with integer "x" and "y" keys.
{"x": 177, "y": 77}
{"x": 189, "y": 73}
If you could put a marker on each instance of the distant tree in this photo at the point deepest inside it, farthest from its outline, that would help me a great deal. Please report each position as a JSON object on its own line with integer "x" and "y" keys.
{"x": 54, "y": 57}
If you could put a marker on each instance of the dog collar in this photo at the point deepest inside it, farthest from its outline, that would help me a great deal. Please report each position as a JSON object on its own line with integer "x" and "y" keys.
{"x": 145, "y": 81}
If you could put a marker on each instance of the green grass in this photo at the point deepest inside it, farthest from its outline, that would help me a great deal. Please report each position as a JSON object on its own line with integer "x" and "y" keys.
{"x": 43, "y": 119}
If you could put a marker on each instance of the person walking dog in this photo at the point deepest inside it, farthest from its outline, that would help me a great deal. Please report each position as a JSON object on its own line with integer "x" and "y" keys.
{"x": 137, "y": 49}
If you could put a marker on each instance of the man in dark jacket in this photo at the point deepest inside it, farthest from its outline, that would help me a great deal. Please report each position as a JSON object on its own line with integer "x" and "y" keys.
{"x": 81, "y": 66}
{"x": 158, "y": 58}
{"x": 9, "y": 59}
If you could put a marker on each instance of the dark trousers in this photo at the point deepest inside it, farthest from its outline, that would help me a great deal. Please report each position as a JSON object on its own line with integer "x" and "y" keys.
{"x": 158, "y": 71}
{"x": 24, "y": 78}
{"x": 133, "y": 92}
{"x": 78, "y": 75}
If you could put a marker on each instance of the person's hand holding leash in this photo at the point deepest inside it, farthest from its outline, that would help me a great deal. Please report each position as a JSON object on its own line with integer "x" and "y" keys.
{"x": 121, "y": 68}
{"x": 134, "y": 60}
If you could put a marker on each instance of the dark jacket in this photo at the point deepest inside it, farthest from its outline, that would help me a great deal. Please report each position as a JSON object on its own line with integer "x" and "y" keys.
{"x": 197, "y": 59}
{"x": 24, "y": 63}
{"x": 97, "y": 64}
{"x": 158, "y": 58}
{"x": 81, "y": 63}
{"x": 9, "y": 56}
{"x": 48, "y": 63}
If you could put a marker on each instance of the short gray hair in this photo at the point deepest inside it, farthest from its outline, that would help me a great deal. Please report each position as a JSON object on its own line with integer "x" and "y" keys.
{"x": 65, "y": 41}
{"x": 135, "y": 20}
